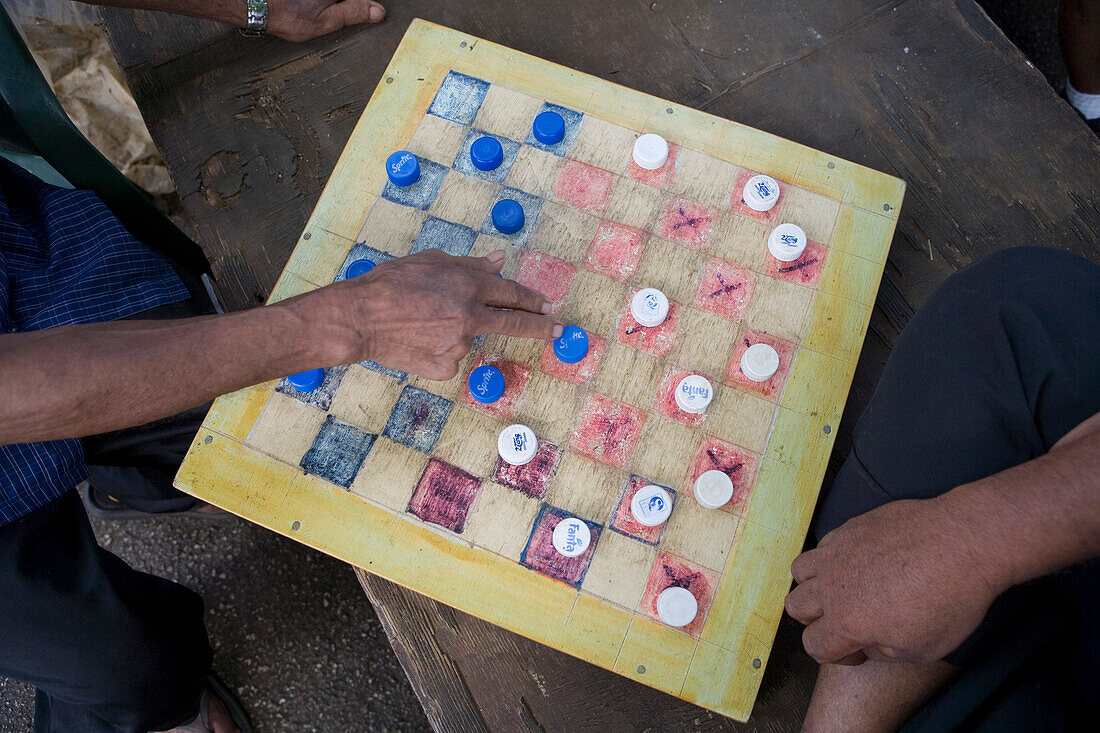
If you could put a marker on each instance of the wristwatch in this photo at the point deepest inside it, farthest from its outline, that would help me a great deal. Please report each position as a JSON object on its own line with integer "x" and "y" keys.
{"x": 257, "y": 18}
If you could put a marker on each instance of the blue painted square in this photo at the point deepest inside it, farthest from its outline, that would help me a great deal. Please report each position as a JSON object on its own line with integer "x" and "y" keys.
{"x": 374, "y": 366}
{"x": 417, "y": 419}
{"x": 532, "y": 207}
{"x": 572, "y": 119}
{"x": 421, "y": 194}
{"x": 463, "y": 164}
{"x": 337, "y": 452}
{"x": 361, "y": 251}
{"x": 454, "y": 239}
{"x": 321, "y": 398}
{"x": 459, "y": 98}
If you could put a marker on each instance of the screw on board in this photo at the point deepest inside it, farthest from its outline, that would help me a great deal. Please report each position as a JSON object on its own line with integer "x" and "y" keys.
{"x": 668, "y": 110}
{"x": 756, "y": 664}
{"x": 389, "y": 80}
{"x": 886, "y": 207}
{"x": 828, "y": 429}
{"x": 296, "y": 524}
{"x": 832, "y": 164}
{"x": 641, "y": 669}
{"x": 307, "y": 235}
{"x": 209, "y": 439}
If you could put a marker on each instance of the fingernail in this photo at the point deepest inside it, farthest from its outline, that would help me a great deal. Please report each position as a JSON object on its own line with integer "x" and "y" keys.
{"x": 558, "y": 330}
{"x": 547, "y": 306}
{"x": 376, "y": 13}
{"x": 496, "y": 256}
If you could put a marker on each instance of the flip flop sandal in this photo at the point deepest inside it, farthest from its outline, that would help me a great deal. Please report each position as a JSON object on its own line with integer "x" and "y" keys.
{"x": 216, "y": 688}
{"x": 102, "y": 505}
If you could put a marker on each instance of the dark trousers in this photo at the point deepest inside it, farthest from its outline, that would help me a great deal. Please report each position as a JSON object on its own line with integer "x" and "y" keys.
{"x": 999, "y": 363}
{"x": 107, "y": 647}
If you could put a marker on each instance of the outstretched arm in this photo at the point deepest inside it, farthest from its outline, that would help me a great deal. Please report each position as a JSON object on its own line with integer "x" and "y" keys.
{"x": 292, "y": 20}
{"x": 418, "y": 314}
{"x": 910, "y": 580}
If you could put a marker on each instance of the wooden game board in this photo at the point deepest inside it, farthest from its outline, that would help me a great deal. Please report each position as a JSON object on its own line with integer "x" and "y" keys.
{"x": 400, "y": 476}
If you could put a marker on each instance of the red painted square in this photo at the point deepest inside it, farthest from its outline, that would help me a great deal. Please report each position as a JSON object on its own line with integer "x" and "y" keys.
{"x": 515, "y": 379}
{"x": 806, "y": 270}
{"x": 658, "y": 177}
{"x": 607, "y": 431}
{"x": 737, "y": 463}
{"x": 444, "y": 495}
{"x": 616, "y": 250}
{"x": 686, "y": 222}
{"x": 669, "y": 571}
{"x": 665, "y": 403}
{"x": 548, "y": 275}
{"x": 737, "y": 203}
{"x": 580, "y": 372}
{"x": 656, "y": 340}
{"x": 623, "y": 520}
{"x": 541, "y": 555}
{"x": 584, "y": 186}
{"x": 725, "y": 288}
{"x": 770, "y": 388}
{"x": 533, "y": 477}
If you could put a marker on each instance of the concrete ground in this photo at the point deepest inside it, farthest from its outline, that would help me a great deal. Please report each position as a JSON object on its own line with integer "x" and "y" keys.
{"x": 292, "y": 631}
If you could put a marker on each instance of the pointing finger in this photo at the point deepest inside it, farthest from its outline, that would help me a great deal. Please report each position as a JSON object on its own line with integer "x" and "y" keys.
{"x": 501, "y": 293}
{"x": 520, "y": 323}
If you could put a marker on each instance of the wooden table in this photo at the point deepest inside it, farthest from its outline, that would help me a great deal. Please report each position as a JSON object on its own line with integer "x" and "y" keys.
{"x": 931, "y": 92}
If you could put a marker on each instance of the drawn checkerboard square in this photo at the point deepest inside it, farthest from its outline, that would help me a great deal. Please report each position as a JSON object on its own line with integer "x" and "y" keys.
{"x": 418, "y": 458}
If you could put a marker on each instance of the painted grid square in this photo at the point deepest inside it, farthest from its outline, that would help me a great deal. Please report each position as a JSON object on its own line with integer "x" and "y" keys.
{"x": 417, "y": 419}
{"x": 454, "y": 239}
{"x": 623, "y": 521}
{"x": 573, "y": 121}
{"x": 459, "y": 98}
{"x": 445, "y": 496}
{"x": 540, "y": 554}
{"x": 337, "y": 452}
{"x": 420, "y": 194}
{"x": 321, "y": 398}
{"x": 465, "y": 165}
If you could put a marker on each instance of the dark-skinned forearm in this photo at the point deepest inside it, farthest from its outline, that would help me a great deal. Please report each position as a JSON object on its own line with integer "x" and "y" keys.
{"x": 1037, "y": 517}
{"x": 82, "y": 380}
{"x": 224, "y": 11}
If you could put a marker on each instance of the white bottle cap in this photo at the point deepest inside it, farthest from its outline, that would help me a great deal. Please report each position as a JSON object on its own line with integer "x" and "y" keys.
{"x": 787, "y": 242}
{"x": 517, "y": 444}
{"x": 649, "y": 307}
{"x": 713, "y": 489}
{"x": 677, "y": 606}
{"x": 650, "y": 151}
{"x": 651, "y": 506}
{"x": 761, "y": 193}
{"x": 694, "y": 393}
{"x": 759, "y": 362}
{"x": 571, "y": 537}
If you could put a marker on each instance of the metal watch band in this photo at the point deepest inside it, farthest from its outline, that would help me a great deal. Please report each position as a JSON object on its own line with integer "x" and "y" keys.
{"x": 257, "y": 18}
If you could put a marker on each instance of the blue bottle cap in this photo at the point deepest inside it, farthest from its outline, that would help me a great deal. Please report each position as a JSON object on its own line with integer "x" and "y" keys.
{"x": 308, "y": 380}
{"x": 403, "y": 168}
{"x": 508, "y": 216}
{"x": 487, "y": 153}
{"x": 548, "y": 128}
{"x": 572, "y": 345}
{"x": 486, "y": 384}
{"x": 357, "y": 268}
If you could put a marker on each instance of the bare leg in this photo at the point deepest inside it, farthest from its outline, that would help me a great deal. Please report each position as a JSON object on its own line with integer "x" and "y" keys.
{"x": 873, "y": 696}
{"x": 1079, "y": 32}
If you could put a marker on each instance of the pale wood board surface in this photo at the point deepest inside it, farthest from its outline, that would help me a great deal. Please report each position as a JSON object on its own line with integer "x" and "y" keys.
{"x": 235, "y": 461}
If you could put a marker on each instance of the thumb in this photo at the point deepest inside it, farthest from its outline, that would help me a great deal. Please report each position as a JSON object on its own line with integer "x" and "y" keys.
{"x": 349, "y": 12}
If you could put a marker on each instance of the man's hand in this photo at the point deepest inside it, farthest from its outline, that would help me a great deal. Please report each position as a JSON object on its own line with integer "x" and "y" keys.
{"x": 420, "y": 313}
{"x": 903, "y": 582}
{"x": 291, "y": 20}
{"x": 301, "y": 20}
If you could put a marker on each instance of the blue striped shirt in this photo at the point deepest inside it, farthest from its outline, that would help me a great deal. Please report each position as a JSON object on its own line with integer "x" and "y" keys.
{"x": 64, "y": 259}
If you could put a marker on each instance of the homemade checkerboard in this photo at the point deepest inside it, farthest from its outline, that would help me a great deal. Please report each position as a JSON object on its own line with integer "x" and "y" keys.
{"x": 401, "y": 476}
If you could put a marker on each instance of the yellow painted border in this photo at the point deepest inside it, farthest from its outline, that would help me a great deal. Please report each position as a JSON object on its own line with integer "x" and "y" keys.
{"x": 721, "y": 671}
